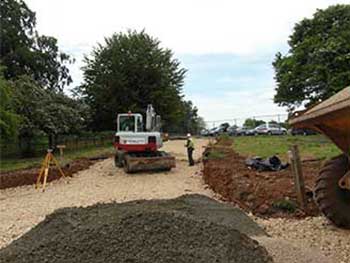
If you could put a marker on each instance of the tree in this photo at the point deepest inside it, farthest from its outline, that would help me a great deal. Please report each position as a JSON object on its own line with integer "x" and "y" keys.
{"x": 190, "y": 119}
{"x": 252, "y": 123}
{"x": 8, "y": 118}
{"x": 45, "y": 112}
{"x": 201, "y": 123}
{"x": 318, "y": 62}
{"x": 127, "y": 72}
{"x": 24, "y": 52}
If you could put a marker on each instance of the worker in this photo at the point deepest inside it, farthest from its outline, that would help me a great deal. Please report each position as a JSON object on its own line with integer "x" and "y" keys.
{"x": 190, "y": 148}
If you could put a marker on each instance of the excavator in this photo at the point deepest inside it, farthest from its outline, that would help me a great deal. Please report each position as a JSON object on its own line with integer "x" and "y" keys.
{"x": 137, "y": 145}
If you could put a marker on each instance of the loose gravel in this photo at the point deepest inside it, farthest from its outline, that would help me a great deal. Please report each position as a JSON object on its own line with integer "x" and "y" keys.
{"x": 175, "y": 230}
{"x": 311, "y": 234}
{"x": 311, "y": 240}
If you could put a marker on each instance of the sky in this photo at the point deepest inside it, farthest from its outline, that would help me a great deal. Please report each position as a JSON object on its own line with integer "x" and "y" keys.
{"x": 227, "y": 46}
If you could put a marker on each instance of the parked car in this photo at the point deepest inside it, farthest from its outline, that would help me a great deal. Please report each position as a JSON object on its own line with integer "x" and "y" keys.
{"x": 204, "y": 132}
{"x": 270, "y": 129}
{"x": 232, "y": 130}
{"x": 214, "y": 131}
{"x": 217, "y": 130}
{"x": 299, "y": 131}
{"x": 244, "y": 131}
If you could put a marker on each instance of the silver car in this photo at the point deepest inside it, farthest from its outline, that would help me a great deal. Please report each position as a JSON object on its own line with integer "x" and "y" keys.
{"x": 270, "y": 129}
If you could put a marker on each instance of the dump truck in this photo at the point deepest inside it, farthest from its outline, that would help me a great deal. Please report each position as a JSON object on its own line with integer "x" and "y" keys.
{"x": 332, "y": 188}
{"x": 137, "y": 147}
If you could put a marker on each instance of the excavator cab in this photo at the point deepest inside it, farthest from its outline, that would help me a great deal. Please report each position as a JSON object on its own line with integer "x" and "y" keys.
{"x": 130, "y": 122}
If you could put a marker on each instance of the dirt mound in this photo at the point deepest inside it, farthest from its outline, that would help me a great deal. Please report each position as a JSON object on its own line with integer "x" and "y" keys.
{"x": 140, "y": 231}
{"x": 263, "y": 193}
{"x": 28, "y": 176}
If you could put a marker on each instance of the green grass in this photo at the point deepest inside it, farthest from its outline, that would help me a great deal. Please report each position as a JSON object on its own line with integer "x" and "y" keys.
{"x": 315, "y": 146}
{"x": 7, "y": 165}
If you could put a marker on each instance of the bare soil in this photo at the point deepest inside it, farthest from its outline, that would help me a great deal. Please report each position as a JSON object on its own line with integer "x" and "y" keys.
{"x": 258, "y": 192}
{"x": 28, "y": 176}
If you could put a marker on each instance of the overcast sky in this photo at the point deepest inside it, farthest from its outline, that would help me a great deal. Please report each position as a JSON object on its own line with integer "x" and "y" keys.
{"x": 227, "y": 46}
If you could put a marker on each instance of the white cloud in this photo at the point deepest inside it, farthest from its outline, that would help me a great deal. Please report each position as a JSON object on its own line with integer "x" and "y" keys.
{"x": 238, "y": 105}
{"x": 246, "y": 28}
{"x": 198, "y": 26}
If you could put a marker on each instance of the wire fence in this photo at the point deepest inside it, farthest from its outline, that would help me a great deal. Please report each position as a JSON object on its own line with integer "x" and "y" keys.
{"x": 38, "y": 146}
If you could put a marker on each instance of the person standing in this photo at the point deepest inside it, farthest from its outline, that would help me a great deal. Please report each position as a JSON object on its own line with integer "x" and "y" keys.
{"x": 190, "y": 148}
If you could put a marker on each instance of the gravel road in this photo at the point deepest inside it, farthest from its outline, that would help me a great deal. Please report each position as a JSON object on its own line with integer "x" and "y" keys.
{"x": 21, "y": 208}
{"x": 311, "y": 234}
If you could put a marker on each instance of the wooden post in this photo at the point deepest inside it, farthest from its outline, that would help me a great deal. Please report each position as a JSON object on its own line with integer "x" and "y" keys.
{"x": 295, "y": 161}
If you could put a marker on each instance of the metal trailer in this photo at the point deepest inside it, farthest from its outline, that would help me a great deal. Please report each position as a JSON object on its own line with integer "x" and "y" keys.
{"x": 332, "y": 189}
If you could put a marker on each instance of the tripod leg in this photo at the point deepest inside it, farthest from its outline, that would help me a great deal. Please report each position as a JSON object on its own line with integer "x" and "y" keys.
{"x": 45, "y": 178}
{"x": 42, "y": 169}
{"x": 58, "y": 166}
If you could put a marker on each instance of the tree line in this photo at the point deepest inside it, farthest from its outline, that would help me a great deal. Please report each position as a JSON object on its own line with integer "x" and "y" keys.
{"x": 131, "y": 69}
{"x": 127, "y": 72}
{"x": 317, "y": 64}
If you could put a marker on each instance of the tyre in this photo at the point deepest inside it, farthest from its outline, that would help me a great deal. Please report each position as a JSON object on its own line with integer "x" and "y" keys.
{"x": 333, "y": 201}
{"x": 269, "y": 133}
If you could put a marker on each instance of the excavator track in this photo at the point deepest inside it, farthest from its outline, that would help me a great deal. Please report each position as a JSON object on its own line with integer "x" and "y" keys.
{"x": 152, "y": 161}
{"x": 333, "y": 201}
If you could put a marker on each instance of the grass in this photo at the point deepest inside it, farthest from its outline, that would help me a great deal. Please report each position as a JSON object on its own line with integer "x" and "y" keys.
{"x": 285, "y": 205}
{"x": 7, "y": 165}
{"x": 315, "y": 146}
{"x": 214, "y": 154}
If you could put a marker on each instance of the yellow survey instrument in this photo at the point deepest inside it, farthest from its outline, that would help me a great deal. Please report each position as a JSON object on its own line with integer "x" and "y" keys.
{"x": 44, "y": 170}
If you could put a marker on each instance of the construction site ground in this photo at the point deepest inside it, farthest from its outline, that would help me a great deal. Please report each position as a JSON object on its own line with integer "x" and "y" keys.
{"x": 307, "y": 239}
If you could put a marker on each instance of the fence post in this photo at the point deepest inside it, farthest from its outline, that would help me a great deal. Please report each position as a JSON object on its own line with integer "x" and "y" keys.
{"x": 295, "y": 161}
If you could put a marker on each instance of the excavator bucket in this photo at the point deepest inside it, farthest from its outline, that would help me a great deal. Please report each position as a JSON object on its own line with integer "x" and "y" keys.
{"x": 161, "y": 161}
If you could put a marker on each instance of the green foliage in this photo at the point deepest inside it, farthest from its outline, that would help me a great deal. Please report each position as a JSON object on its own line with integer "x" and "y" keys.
{"x": 7, "y": 165}
{"x": 215, "y": 154}
{"x": 187, "y": 121}
{"x": 46, "y": 112}
{"x": 225, "y": 139}
{"x": 8, "y": 118}
{"x": 285, "y": 205}
{"x": 318, "y": 63}
{"x": 24, "y": 52}
{"x": 252, "y": 123}
{"x": 129, "y": 71}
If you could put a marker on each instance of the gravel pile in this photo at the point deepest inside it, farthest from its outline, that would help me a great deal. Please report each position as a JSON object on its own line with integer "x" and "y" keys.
{"x": 176, "y": 230}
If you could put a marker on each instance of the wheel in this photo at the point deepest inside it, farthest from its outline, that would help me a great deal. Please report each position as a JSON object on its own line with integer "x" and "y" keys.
{"x": 333, "y": 201}
{"x": 269, "y": 133}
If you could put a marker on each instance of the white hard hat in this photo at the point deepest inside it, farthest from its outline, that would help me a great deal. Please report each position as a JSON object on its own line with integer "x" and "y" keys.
{"x": 188, "y": 134}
